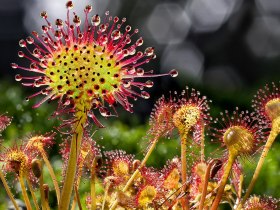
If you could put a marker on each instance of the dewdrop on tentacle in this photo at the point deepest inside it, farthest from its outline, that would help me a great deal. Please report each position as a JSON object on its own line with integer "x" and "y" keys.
{"x": 4, "y": 121}
{"x": 241, "y": 133}
{"x": 17, "y": 160}
{"x": 267, "y": 203}
{"x": 91, "y": 65}
{"x": 119, "y": 163}
{"x": 267, "y": 105}
{"x": 161, "y": 117}
{"x": 192, "y": 110}
{"x": 171, "y": 174}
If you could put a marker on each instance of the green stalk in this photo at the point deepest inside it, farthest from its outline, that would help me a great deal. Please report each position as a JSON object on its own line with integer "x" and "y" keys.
{"x": 105, "y": 195}
{"x": 33, "y": 194}
{"x": 7, "y": 188}
{"x": 205, "y": 185}
{"x": 92, "y": 185}
{"x": 46, "y": 194}
{"x": 52, "y": 174}
{"x": 271, "y": 138}
{"x": 72, "y": 166}
{"x": 78, "y": 197}
{"x": 227, "y": 169}
{"x": 202, "y": 145}
{"x": 184, "y": 169}
{"x": 77, "y": 185}
{"x": 42, "y": 194}
{"x": 24, "y": 193}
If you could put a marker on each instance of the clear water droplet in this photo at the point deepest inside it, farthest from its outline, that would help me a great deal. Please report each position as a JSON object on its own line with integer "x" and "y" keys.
{"x": 18, "y": 77}
{"x": 116, "y": 34}
{"x": 33, "y": 66}
{"x": 104, "y": 112}
{"x": 69, "y": 5}
{"x": 14, "y": 65}
{"x": 149, "y": 84}
{"x": 103, "y": 39}
{"x": 22, "y": 43}
{"x": 139, "y": 42}
{"x": 95, "y": 20}
{"x": 29, "y": 40}
{"x": 126, "y": 84}
{"x": 173, "y": 73}
{"x": 20, "y": 54}
{"x": 145, "y": 95}
{"x": 140, "y": 71}
{"x": 149, "y": 51}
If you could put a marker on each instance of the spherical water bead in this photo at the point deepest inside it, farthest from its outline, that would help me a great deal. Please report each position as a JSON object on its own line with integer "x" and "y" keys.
{"x": 59, "y": 23}
{"x": 127, "y": 40}
{"x": 33, "y": 66}
{"x": 43, "y": 64}
{"x": 126, "y": 84}
{"x": 58, "y": 35}
{"x": 20, "y": 54}
{"x": 45, "y": 91}
{"x": 119, "y": 51}
{"x": 22, "y": 43}
{"x": 102, "y": 28}
{"x": 116, "y": 34}
{"x": 149, "y": 84}
{"x": 80, "y": 36}
{"x": 44, "y": 14}
{"x": 18, "y": 77}
{"x": 45, "y": 28}
{"x": 103, "y": 39}
{"x": 145, "y": 95}
{"x": 116, "y": 19}
{"x": 14, "y": 65}
{"x": 131, "y": 50}
{"x": 77, "y": 20}
{"x": 131, "y": 70}
{"x": 104, "y": 112}
{"x": 140, "y": 72}
{"x": 88, "y": 9}
{"x": 128, "y": 28}
{"x": 34, "y": 33}
{"x": 95, "y": 20}
{"x": 149, "y": 51}
{"x": 139, "y": 42}
{"x": 173, "y": 73}
{"x": 67, "y": 102}
{"x": 29, "y": 40}
{"x": 69, "y": 5}
{"x": 139, "y": 54}
{"x": 46, "y": 40}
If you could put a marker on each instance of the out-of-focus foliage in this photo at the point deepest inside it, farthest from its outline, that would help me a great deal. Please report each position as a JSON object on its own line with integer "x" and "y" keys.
{"x": 25, "y": 119}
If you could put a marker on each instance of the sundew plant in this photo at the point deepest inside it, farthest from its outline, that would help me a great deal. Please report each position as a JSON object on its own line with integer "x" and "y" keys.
{"x": 95, "y": 67}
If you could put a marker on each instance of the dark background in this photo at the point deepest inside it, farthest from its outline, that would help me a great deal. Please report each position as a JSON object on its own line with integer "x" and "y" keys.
{"x": 219, "y": 45}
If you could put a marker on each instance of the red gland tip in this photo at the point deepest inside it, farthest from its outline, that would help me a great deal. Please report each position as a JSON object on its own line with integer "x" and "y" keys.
{"x": 173, "y": 73}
